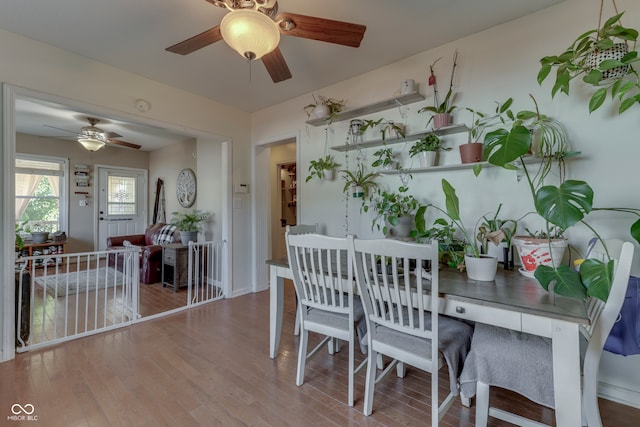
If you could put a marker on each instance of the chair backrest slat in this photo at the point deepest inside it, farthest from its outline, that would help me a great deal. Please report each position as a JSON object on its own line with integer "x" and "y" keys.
{"x": 390, "y": 280}
{"x": 322, "y": 270}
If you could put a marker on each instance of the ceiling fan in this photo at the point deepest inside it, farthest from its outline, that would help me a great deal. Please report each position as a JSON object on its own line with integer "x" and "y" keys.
{"x": 93, "y": 138}
{"x": 253, "y": 28}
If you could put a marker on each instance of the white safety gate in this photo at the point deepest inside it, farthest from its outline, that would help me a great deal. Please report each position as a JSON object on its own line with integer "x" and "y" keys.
{"x": 75, "y": 295}
{"x": 206, "y": 266}
{"x": 66, "y": 296}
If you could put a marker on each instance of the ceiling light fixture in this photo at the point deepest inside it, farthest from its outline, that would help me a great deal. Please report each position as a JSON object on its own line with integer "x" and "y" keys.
{"x": 91, "y": 144}
{"x": 250, "y": 33}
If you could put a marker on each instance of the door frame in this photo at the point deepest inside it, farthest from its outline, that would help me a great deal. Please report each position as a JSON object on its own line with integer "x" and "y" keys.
{"x": 9, "y": 94}
{"x": 261, "y": 202}
{"x": 96, "y": 197}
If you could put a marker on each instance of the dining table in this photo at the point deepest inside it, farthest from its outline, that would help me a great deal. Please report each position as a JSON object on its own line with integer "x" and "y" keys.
{"x": 513, "y": 301}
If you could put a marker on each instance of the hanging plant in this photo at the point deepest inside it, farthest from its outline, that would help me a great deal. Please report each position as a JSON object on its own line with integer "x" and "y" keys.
{"x": 603, "y": 58}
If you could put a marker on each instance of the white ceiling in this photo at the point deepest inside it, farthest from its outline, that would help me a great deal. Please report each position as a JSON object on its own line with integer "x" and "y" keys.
{"x": 133, "y": 35}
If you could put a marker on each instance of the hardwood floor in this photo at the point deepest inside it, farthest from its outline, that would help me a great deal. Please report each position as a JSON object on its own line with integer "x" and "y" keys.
{"x": 210, "y": 366}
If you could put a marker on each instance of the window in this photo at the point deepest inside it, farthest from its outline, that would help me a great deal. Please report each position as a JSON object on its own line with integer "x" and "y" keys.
{"x": 41, "y": 197}
{"x": 121, "y": 198}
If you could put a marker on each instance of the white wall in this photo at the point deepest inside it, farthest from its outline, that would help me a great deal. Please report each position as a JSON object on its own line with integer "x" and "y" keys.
{"x": 81, "y": 218}
{"x": 37, "y": 66}
{"x": 493, "y": 65}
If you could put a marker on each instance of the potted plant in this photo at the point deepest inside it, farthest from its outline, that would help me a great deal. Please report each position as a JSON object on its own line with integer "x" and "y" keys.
{"x": 394, "y": 212}
{"x": 385, "y": 158}
{"x": 361, "y": 183}
{"x": 38, "y": 233}
{"x": 441, "y": 110}
{"x": 563, "y": 206}
{"x": 495, "y": 234}
{"x": 479, "y": 266}
{"x": 450, "y": 248}
{"x": 322, "y": 168}
{"x": 602, "y": 58}
{"x": 426, "y": 149}
{"x": 189, "y": 223}
{"x": 324, "y": 108}
{"x": 471, "y": 152}
{"x": 544, "y": 247}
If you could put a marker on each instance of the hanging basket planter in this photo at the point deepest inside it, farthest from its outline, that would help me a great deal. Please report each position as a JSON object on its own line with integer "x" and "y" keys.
{"x": 616, "y": 53}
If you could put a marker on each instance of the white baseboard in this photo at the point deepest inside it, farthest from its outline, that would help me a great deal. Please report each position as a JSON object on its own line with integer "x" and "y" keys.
{"x": 619, "y": 394}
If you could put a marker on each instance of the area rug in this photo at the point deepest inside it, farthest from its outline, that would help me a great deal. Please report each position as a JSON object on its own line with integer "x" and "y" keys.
{"x": 81, "y": 281}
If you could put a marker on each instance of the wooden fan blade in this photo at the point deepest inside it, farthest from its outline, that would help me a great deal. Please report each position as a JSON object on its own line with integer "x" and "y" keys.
{"x": 199, "y": 41}
{"x": 124, "y": 144}
{"x": 109, "y": 135}
{"x": 324, "y": 30}
{"x": 276, "y": 65}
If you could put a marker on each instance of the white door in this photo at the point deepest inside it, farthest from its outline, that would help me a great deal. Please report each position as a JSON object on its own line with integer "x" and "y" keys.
{"x": 122, "y": 203}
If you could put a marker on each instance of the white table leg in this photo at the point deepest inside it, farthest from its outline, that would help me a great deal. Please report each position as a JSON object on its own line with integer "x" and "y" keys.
{"x": 566, "y": 373}
{"x": 276, "y": 306}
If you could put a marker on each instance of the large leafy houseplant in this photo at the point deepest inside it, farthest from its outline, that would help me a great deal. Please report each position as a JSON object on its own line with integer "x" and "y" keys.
{"x": 189, "y": 221}
{"x": 390, "y": 207}
{"x": 576, "y": 62}
{"x": 563, "y": 206}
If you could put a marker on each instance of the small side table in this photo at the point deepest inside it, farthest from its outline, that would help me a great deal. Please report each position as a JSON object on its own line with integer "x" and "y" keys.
{"x": 176, "y": 256}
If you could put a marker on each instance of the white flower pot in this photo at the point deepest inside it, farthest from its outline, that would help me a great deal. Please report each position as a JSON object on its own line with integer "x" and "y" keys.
{"x": 534, "y": 252}
{"x": 329, "y": 175}
{"x": 188, "y": 236}
{"x": 427, "y": 159}
{"x": 39, "y": 236}
{"x": 357, "y": 191}
{"x": 321, "y": 111}
{"x": 483, "y": 269}
{"x": 617, "y": 52}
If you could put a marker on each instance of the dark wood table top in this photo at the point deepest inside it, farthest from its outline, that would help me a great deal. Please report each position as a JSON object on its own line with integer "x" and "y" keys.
{"x": 510, "y": 290}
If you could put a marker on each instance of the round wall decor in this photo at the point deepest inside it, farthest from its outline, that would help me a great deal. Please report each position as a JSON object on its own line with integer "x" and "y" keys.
{"x": 186, "y": 188}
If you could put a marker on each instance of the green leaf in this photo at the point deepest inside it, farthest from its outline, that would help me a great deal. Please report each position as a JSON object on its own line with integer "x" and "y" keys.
{"x": 544, "y": 72}
{"x": 593, "y": 77}
{"x": 597, "y": 99}
{"x": 566, "y": 205}
{"x": 477, "y": 168}
{"x": 562, "y": 82}
{"x": 596, "y": 277}
{"x": 502, "y": 146}
{"x": 625, "y": 105}
{"x": 451, "y": 200}
{"x": 566, "y": 281}
{"x": 608, "y": 64}
{"x": 421, "y": 225}
{"x": 635, "y": 230}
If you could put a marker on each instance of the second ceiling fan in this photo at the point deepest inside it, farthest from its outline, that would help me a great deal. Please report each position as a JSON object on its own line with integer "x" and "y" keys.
{"x": 253, "y": 28}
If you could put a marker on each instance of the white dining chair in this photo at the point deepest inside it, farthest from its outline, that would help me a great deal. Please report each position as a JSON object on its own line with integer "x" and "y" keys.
{"x": 523, "y": 363}
{"x": 401, "y": 308}
{"x": 322, "y": 272}
{"x": 301, "y": 229}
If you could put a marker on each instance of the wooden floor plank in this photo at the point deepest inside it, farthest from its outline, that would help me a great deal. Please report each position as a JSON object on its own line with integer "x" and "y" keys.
{"x": 209, "y": 366}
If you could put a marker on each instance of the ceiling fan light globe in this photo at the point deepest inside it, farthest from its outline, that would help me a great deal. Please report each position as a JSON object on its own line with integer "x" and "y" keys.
{"x": 91, "y": 144}
{"x": 250, "y": 33}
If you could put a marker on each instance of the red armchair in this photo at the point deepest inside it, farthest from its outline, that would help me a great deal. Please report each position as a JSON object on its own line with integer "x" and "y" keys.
{"x": 150, "y": 244}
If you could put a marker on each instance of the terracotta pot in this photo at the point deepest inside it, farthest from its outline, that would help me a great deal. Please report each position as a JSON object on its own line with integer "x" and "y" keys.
{"x": 471, "y": 152}
{"x": 441, "y": 120}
